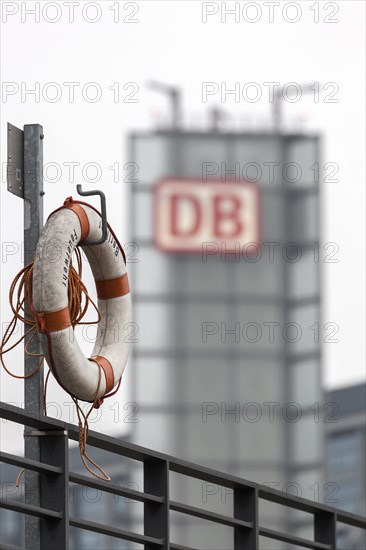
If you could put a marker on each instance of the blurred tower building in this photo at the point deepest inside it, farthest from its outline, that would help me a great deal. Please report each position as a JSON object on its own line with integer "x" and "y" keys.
{"x": 227, "y": 365}
{"x": 346, "y": 458}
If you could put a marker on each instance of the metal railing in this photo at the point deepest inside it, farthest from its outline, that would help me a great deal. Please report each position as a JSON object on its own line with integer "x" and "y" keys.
{"x": 55, "y": 477}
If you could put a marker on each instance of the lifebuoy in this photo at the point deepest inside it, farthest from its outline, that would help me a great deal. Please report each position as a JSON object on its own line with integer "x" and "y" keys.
{"x": 70, "y": 226}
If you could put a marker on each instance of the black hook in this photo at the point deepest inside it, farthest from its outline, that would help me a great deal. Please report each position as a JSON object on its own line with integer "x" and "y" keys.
{"x": 103, "y": 212}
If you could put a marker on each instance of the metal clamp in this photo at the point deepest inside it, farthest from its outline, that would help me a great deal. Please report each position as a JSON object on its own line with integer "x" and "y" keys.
{"x": 103, "y": 209}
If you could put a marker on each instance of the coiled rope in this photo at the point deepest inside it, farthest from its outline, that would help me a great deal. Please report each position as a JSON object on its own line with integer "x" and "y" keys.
{"x": 21, "y": 304}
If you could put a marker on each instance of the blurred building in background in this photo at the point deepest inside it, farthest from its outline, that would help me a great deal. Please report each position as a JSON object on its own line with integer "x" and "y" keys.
{"x": 346, "y": 458}
{"x": 227, "y": 370}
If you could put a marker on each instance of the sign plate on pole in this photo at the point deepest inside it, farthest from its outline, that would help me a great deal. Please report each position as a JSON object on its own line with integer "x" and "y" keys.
{"x": 15, "y": 161}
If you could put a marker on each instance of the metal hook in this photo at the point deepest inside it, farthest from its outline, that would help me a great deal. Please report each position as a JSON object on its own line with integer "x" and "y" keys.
{"x": 103, "y": 212}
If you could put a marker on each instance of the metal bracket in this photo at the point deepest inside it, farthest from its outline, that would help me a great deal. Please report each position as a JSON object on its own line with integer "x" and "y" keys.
{"x": 37, "y": 433}
{"x": 103, "y": 212}
{"x": 15, "y": 164}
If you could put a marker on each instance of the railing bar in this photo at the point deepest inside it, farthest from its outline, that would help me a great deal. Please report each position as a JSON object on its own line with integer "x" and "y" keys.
{"x": 9, "y": 547}
{"x": 207, "y": 474}
{"x": 299, "y": 503}
{"x": 29, "y": 464}
{"x": 350, "y": 519}
{"x": 95, "y": 439}
{"x": 272, "y": 534}
{"x": 113, "y": 488}
{"x": 114, "y": 532}
{"x": 29, "y": 509}
{"x": 246, "y": 509}
{"x": 156, "y": 517}
{"x": 209, "y": 516}
{"x": 129, "y": 450}
{"x": 174, "y": 546}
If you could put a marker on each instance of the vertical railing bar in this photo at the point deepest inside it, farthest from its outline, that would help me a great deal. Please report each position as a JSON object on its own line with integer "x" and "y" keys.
{"x": 54, "y": 490}
{"x": 156, "y": 514}
{"x": 325, "y": 528}
{"x": 246, "y": 504}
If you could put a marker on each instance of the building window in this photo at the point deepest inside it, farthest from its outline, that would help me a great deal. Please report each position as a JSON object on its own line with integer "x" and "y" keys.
{"x": 344, "y": 452}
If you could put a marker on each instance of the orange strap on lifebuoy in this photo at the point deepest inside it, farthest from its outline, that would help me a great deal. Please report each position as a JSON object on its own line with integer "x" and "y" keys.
{"x": 54, "y": 320}
{"x": 81, "y": 214}
{"x": 108, "y": 370}
{"x": 113, "y": 288}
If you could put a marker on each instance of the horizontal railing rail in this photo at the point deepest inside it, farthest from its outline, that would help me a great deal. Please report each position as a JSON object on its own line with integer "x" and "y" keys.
{"x": 54, "y": 471}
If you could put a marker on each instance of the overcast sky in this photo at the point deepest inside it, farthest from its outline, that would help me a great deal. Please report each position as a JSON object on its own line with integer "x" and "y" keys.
{"x": 175, "y": 42}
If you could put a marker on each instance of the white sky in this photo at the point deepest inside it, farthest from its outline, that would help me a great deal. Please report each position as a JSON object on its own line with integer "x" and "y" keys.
{"x": 171, "y": 43}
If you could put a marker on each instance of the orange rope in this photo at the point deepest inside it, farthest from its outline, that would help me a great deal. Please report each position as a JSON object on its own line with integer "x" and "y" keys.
{"x": 83, "y": 435}
{"x": 20, "y": 300}
{"x": 22, "y": 312}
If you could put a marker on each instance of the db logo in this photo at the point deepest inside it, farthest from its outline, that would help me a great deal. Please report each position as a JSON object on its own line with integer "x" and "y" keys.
{"x": 188, "y": 213}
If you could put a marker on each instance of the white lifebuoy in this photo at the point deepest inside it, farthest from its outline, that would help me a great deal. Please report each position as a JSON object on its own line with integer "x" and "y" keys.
{"x": 73, "y": 225}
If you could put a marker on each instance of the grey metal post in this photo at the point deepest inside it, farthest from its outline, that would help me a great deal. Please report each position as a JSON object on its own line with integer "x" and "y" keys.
{"x": 325, "y": 528}
{"x": 156, "y": 515}
{"x": 55, "y": 489}
{"x": 246, "y": 509}
{"x": 33, "y": 387}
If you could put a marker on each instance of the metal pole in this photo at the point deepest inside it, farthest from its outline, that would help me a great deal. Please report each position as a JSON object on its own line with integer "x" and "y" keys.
{"x": 174, "y": 95}
{"x": 33, "y": 386}
{"x": 277, "y": 110}
{"x": 55, "y": 489}
{"x": 246, "y": 509}
{"x": 176, "y": 108}
{"x": 156, "y": 515}
{"x": 216, "y": 118}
